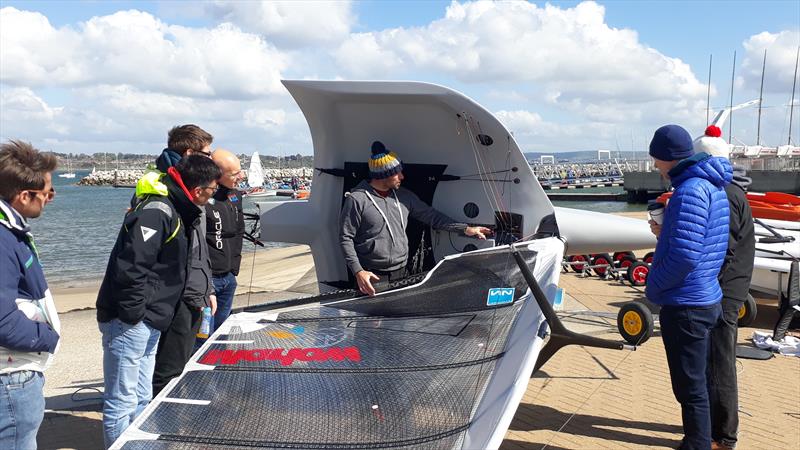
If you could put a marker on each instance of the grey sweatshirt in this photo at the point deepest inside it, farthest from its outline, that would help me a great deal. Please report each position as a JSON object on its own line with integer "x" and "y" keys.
{"x": 372, "y": 229}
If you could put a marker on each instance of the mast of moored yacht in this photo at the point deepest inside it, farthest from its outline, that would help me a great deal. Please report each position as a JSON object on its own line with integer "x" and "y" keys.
{"x": 761, "y": 99}
{"x": 791, "y": 103}
{"x": 708, "y": 91}
{"x": 730, "y": 114}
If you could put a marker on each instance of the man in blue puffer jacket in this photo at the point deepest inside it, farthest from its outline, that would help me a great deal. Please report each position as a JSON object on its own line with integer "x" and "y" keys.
{"x": 683, "y": 278}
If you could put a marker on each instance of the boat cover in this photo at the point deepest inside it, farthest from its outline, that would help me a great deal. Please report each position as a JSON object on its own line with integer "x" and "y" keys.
{"x": 441, "y": 363}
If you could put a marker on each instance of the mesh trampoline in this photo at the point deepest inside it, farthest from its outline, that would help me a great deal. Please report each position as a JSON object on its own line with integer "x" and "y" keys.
{"x": 409, "y": 368}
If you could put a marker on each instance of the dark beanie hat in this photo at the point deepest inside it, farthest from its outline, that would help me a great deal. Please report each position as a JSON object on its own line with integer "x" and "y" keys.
{"x": 671, "y": 143}
{"x": 383, "y": 163}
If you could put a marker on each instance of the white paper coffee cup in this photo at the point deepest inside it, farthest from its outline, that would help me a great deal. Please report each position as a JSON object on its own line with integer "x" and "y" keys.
{"x": 656, "y": 212}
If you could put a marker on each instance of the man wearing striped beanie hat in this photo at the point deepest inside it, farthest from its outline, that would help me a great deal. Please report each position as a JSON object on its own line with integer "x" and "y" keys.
{"x": 372, "y": 225}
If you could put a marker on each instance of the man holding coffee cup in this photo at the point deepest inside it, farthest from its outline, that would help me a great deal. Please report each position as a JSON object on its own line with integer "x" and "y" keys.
{"x": 692, "y": 241}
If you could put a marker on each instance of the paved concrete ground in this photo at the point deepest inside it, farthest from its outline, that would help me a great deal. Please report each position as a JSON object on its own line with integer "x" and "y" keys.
{"x": 582, "y": 398}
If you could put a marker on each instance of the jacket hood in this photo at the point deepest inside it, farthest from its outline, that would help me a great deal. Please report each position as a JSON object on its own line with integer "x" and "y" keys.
{"x": 714, "y": 169}
{"x": 151, "y": 184}
{"x": 364, "y": 186}
{"x": 179, "y": 196}
{"x": 167, "y": 159}
{"x": 740, "y": 177}
{"x": 11, "y": 219}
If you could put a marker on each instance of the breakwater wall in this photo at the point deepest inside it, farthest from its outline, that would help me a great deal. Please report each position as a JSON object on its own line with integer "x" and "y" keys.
{"x": 112, "y": 177}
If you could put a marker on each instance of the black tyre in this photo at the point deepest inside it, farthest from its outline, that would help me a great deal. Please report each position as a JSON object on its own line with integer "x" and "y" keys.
{"x": 626, "y": 262}
{"x": 637, "y": 273}
{"x": 748, "y": 311}
{"x": 619, "y": 256}
{"x": 602, "y": 259}
{"x": 648, "y": 258}
{"x": 579, "y": 262}
{"x": 635, "y": 323}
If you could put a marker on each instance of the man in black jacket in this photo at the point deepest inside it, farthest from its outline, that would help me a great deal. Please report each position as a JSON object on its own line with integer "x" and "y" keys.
{"x": 144, "y": 280}
{"x": 224, "y": 232}
{"x": 734, "y": 278}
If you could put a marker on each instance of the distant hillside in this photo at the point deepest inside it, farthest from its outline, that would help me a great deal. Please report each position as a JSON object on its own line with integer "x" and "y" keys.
{"x": 584, "y": 155}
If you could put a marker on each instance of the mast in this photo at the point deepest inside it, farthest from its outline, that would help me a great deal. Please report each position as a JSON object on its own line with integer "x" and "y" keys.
{"x": 761, "y": 99}
{"x": 791, "y": 103}
{"x": 730, "y": 116}
{"x": 708, "y": 91}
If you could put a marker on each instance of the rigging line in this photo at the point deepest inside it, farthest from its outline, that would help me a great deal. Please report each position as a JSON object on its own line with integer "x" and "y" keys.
{"x": 500, "y": 206}
{"x": 490, "y": 163}
{"x": 470, "y": 138}
{"x": 484, "y": 173}
{"x": 493, "y": 198}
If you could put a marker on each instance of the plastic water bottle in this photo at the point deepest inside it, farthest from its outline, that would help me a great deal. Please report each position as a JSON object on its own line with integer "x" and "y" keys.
{"x": 205, "y": 325}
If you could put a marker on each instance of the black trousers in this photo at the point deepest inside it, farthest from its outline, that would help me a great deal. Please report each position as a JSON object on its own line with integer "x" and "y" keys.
{"x": 176, "y": 345}
{"x": 723, "y": 389}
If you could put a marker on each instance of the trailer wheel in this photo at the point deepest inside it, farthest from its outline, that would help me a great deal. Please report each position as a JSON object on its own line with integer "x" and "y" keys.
{"x": 635, "y": 323}
{"x": 626, "y": 262}
{"x": 577, "y": 259}
{"x": 637, "y": 273}
{"x": 619, "y": 256}
{"x": 648, "y": 258}
{"x": 600, "y": 259}
{"x": 748, "y": 311}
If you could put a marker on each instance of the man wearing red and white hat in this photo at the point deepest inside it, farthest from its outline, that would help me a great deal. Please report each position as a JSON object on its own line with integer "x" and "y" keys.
{"x": 734, "y": 279}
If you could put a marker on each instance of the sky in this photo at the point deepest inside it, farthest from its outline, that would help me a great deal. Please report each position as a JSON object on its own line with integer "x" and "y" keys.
{"x": 115, "y": 76}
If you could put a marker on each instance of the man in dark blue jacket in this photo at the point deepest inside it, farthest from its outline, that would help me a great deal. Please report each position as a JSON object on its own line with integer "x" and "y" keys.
{"x": 29, "y": 323}
{"x": 145, "y": 279}
{"x": 734, "y": 279}
{"x": 691, "y": 248}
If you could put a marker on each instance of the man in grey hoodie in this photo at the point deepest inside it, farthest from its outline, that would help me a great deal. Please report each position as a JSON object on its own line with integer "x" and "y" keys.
{"x": 374, "y": 218}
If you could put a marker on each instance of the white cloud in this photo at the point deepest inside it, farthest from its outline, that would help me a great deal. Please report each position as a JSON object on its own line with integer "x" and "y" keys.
{"x": 571, "y": 54}
{"x": 135, "y": 48}
{"x": 265, "y": 118}
{"x": 781, "y": 51}
{"x": 289, "y": 24}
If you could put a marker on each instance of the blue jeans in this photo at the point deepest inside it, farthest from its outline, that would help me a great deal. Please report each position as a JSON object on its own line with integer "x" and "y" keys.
{"x": 686, "y": 332}
{"x": 225, "y": 288}
{"x": 129, "y": 356}
{"x": 21, "y": 408}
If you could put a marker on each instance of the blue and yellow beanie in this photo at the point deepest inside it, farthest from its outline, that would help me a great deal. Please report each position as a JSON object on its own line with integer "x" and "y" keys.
{"x": 383, "y": 163}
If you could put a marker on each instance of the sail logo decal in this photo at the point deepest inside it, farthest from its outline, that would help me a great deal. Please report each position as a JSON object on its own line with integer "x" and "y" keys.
{"x": 500, "y": 296}
{"x": 286, "y": 357}
{"x": 147, "y": 233}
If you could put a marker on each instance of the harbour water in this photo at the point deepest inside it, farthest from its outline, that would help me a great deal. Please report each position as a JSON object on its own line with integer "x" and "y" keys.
{"x": 75, "y": 234}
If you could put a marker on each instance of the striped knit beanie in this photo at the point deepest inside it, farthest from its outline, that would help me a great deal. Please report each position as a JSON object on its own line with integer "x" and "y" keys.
{"x": 383, "y": 163}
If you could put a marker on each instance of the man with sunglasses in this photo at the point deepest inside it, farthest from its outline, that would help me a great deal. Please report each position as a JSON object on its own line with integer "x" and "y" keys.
{"x": 29, "y": 324}
{"x": 225, "y": 232}
{"x": 153, "y": 268}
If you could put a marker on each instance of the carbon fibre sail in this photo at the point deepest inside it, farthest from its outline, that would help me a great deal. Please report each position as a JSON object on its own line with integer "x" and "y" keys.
{"x": 441, "y": 363}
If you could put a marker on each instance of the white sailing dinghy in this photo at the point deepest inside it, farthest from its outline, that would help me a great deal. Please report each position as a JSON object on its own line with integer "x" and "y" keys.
{"x": 255, "y": 179}
{"x": 440, "y": 360}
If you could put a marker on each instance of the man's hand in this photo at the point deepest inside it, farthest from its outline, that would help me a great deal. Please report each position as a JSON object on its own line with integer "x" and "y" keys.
{"x": 364, "y": 278}
{"x": 213, "y": 299}
{"x": 478, "y": 232}
{"x": 654, "y": 228}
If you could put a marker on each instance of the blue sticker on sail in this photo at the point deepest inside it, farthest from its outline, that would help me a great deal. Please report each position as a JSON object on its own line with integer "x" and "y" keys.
{"x": 500, "y": 296}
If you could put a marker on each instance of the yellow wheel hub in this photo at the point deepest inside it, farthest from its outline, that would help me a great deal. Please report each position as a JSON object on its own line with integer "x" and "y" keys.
{"x": 742, "y": 311}
{"x": 632, "y": 323}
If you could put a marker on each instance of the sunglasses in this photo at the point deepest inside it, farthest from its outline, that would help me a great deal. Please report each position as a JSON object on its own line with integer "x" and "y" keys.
{"x": 48, "y": 195}
{"x": 214, "y": 189}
